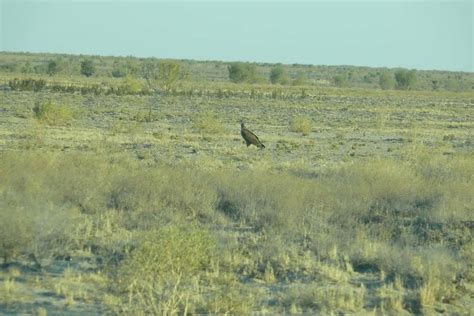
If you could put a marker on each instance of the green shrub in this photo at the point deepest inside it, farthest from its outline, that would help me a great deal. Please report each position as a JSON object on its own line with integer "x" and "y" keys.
{"x": 340, "y": 81}
{"x": 405, "y": 79}
{"x": 242, "y": 72}
{"x": 123, "y": 68}
{"x": 53, "y": 67}
{"x": 130, "y": 85}
{"x": 87, "y": 67}
{"x": 119, "y": 72}
{"x": 278, "y": 75}
{"x": 52, "y": 113}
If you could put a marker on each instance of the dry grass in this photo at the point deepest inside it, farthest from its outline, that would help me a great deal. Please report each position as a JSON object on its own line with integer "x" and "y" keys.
{"x": 388, "y": 209}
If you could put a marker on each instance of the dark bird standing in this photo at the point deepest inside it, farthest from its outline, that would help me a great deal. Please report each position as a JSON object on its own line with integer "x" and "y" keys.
{"x": 250, "y": 138}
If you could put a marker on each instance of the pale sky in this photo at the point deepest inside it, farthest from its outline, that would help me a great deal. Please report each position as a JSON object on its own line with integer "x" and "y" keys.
{"x": 412, "y": 34}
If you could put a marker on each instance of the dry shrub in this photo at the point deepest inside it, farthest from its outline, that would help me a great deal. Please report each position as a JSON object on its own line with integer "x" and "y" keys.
{"x": 301, "y": 124}
{"x": 161, "y": 275}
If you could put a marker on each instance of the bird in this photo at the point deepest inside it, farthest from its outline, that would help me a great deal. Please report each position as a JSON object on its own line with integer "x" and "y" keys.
{"x": 249, "y": 137}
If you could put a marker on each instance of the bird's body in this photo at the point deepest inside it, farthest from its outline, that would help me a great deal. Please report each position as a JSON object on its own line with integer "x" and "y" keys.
{"x": 250, "y": 138}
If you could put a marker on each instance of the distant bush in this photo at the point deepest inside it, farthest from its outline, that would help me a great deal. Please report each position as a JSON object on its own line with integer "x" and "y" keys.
{"x": 242, "y": 72}
{"x": 299, "y": 80}
{"x": 301, "y": 124}
{"x": 455, "y": 84}
{"x": 163, "y": 75}
{"x": 53, "y": 67}
{"x": 122, "y": 68}
{"x": 10, "y": 67}
{"x": 386, "y": 80}
{"x": 405, "y": 79}
{"x": 278, "y": 75}
{"x": 119, "y": 72}
{"x": 168, "y": 74}
{"x": 52, "y": 113}
{"x": 340, "y": 81}
{"x": 87, "y": 67}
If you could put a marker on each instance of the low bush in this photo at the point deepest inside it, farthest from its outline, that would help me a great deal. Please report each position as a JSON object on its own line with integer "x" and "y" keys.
{"x": 52, "y": 113}
{"x": 301, "y": 124}
{"x": 242, "y": 72}
{"x": 130, "y": 85}
{"x": 28, "y": 84}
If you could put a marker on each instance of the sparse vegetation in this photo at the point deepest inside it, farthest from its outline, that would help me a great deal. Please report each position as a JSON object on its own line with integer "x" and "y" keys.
{"x": 150, "y": 203}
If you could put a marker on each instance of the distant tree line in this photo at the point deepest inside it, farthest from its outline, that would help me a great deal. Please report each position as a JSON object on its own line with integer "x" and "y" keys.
{"x": 247, "y": 72}
{"x": 164, "y": 75}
